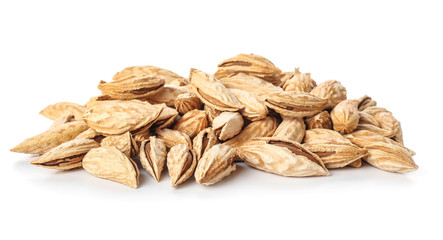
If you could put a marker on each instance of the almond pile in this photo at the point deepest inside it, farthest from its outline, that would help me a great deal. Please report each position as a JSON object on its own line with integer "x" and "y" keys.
{"x": 249, "y": 110}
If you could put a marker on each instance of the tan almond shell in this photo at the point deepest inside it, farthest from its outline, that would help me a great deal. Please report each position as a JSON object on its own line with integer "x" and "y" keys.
{"x": 336, "y": 155}
{"x": 168, "y": 94}
{"x": 390, "y": 157}
{"x": 285, "y": 76}
{"x": 254, "y": 109}
{"x": 204, "y": 140}
{"x": 321, "y": 135}
{"x": 211, "y": 91}
{"x": 153, "y": 156}
{"x": 123, "y": 142}
{"x": 365, "y": 102}
{"x": 186, "y": 102}
{"x": 356, "y": 164}
{"x": 331, "y": 90}
{"x": 335, "y": 150}
{"x": 181, "y": 163}
{"x": 386, "y": 120}
{"x": 111, "y": 164}
{"x": 51, "y": 138}
{"x": 250, "y": 64}
{"x": 119, "y": 116}
{"x": 319, "y": 120}
{"x": 192, "y": 122}
{"x": 345, "y": 116}
{"x": 173, "y": 137}
{"x": 132, "y": 87}
{"x": 66, "y": 156}
{"x": 282, "y": 157}
{"x": 251, "y": 84}
{"x": 90, "y": 134}
{"x": 364, "y": 138}
{"x": 141, "y": 136}
{"x": 227, "y": 125}
{"x": 261, "y": 128}
{"x": 291, "y": 128}
{"x": 57, "y": 110}
{"x": 169, "y": 76}
{"x": 63, "y": 119}
{"x": 211, "y": 113}
{"x": 300, "y": 82}
{"x": 166, "y": 118}
{"x": 366, "y": 118}
{"x": 294, "y": 104}
{"x": 216, "y": 164}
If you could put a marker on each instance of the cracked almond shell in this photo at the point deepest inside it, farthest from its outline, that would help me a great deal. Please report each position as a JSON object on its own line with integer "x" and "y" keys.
{"x": 192, "y": 122}
{"x": 335, "y": 150}
{"x": 181, "y": 164}
{"x": 153, "y": 156}
{"x": 132, "y": 87}
{"x": 250, "y": 64}
{"x": 66, "y": 156}
{"x": 204, "y": 140}
{"x": 291, "y": 128}
{"x": 212, "y": 92}
{"x": 123, "y": 142}
{"x": 216, "y": 164}
{"x": 294, "y": 104}
{"x": 282, "y": 157}
{"x": 227, "y": 125}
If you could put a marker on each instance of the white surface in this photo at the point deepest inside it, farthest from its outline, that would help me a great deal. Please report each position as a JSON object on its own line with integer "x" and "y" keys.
{"x": 53, "y": 51}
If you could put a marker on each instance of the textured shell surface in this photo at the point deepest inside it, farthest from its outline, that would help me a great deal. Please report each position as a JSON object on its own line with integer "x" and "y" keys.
{"x": 192, "y": 122}
{"x": 345, "y": 116}
{"x": 364, "y": 138}
{"x": 250, "y": 64}
{"x": 168, "y": 94}
{"x": 216, "y": 164}
{"x": 204, "y": 140}
{"x": 291, "y": 128}
{"x": 300, "y": 82}
{"x": 67, "y": 155}
{"x": 282, "y": 157}
{"x": 132, "y": 87}
{"x": 254, "y": 109}
{"x": 173, "y": 137}
{"x": 331, "y": 90}
{"x": 123, "y": 142}
{"x": 390, "y": 157}
{"x": 319, "y": 120}
{"x": 109, "y": 163}
{"x": 153, "y": 156}
{"x": 251, "y": 84}
{"x": 227, "y": 125}
{"x": 186, "y": 102}
{"x": 181, "y": 164}
{"x": 57, "y": 110}
{"x": 119, "y": 116}
{"x": 261, "y": 128}
{"x": 294, "y": 104}
{"x": 51, "y": 138}
{"x": 211, "y": 91}
{"x": 169, "y": 76}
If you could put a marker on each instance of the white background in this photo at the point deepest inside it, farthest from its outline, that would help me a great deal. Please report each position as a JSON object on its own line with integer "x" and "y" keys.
{"x": 55, "y": 51}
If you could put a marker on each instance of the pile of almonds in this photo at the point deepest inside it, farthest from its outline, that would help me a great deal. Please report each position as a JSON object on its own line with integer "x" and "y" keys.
{"x": 249, "y": 110}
